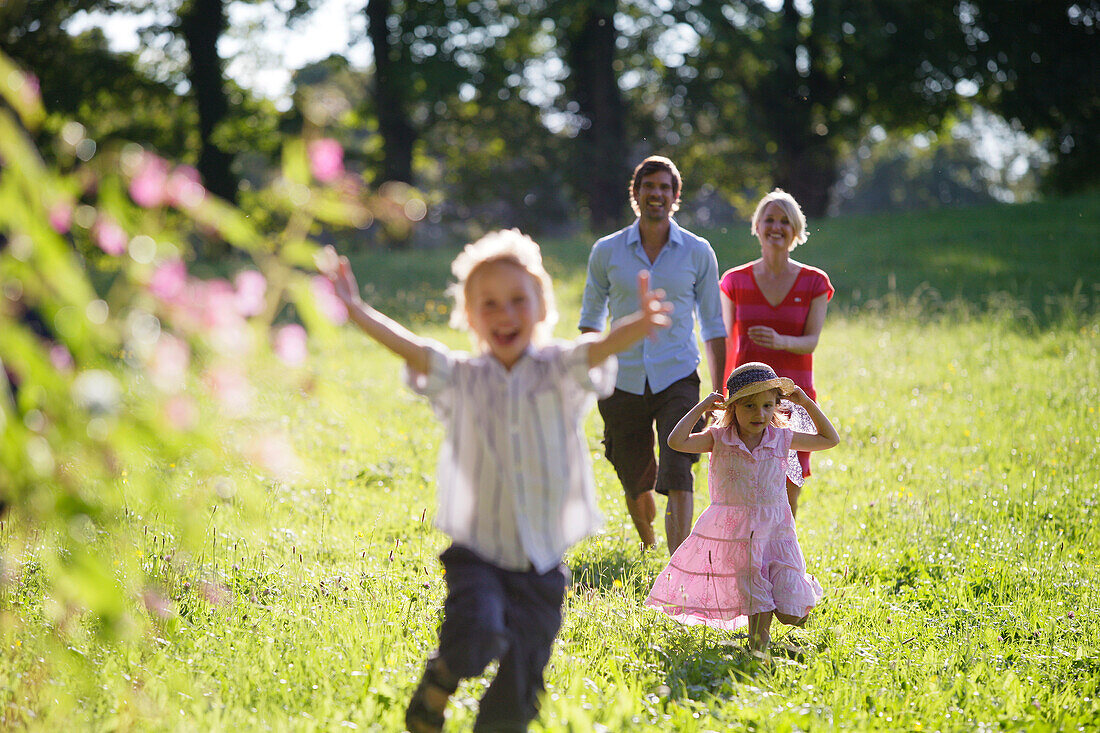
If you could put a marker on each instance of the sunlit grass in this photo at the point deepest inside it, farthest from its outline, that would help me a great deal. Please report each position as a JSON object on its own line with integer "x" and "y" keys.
{"x": 954, "y": 530}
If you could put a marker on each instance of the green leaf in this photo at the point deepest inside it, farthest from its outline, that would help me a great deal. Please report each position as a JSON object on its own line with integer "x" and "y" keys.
{"x": 296, "y": 162}
{"x": 299, "y": 252}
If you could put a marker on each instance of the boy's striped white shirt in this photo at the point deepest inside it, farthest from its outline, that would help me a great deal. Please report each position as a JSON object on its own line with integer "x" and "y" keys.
{"x": 515, "y": 479}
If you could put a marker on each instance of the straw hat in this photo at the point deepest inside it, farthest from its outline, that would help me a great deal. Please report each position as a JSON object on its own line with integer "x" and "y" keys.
{"x": 753, "y": 377}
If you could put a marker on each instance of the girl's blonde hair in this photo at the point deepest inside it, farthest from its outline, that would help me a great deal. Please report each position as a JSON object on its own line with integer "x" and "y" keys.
{"x": 728, "y": 418}
{"x": 514, "y": 247}
{"x": 790, "y": 208}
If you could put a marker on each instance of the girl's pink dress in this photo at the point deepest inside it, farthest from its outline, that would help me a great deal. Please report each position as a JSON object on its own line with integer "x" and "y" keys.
{"x": 742, "y": 556}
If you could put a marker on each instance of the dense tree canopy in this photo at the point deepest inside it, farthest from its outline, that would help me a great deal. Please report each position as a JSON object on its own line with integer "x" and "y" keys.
{"x": 110, "y": 95}
{"x": 532, "y": 112}
{"x": 1037, "y": 63}
{"x": 799, "y": 85}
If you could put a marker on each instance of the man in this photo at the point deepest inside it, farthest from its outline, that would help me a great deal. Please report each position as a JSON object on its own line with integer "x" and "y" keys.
{"x": 657, "y": 381}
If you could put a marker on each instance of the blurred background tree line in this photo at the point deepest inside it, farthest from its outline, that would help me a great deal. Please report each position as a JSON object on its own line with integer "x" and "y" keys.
{"x": 531, "y": 113}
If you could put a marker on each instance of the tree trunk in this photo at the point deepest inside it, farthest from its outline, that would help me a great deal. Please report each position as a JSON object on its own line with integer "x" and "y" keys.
{"x": 391, "y": 105}
{"x": 807, "y": 172}
{"x": 805, "y": 162}
{"x": 201, "y": 25}
{"x": 601, "y": 163}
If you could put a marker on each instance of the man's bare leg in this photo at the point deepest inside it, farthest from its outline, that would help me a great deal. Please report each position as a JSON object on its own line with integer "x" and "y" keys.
{"x": 643, "y": 510}
{"x": 678, "y": 515}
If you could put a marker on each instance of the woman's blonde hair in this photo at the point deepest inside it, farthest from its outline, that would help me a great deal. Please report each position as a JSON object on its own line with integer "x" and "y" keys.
{"x": 790, "y": 208}
{"x": 514, "y": 247}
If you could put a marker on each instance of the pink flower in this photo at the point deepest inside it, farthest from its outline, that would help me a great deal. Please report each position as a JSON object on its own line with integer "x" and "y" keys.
{"x": 290, "y": 344}
{"x": 231, "y": 389}
{"x": 219, "y": 318}
{"x": 30, "y": 91}
{"x": 275, "y": 454}
{"x": 168, "y": 281}
{"x": 215, "y": 594}
{"x": 326, "y": 159}
{"x": 156, "y": 604}
{"x": 324, "y": 293}
{"x": 149, "y": 186}
{"x": 61, "y": 217}
{"x": 181, "y": 412}
{"x": 109, "y": 236}
{"x": 60, "y": 358}
{"x": 185, "y": 188}
{"x": 168, "y": 365}
{"x": 251, "y": 287}
{"x": 218, "y": 301}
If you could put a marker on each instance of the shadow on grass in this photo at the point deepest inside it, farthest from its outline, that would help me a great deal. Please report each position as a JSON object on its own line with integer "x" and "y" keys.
{"x": 601, "y": 572}
{"x": 701, "y": 663}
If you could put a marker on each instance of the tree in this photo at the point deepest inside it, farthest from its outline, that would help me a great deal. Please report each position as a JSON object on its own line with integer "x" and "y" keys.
{"x": 201, "y": 23}
{"x": 31, "y": 34}
{"x": 906, "y": 174}
{"x": 111, "y": 97}
{"x": 588, "y": 34}
{"x": 424, "y": 53}
{"x": 1036, "y": 63}
{"x": 807, "y": 81}
{"x": 391, "y": 60}
{"x": 447, "y": 71}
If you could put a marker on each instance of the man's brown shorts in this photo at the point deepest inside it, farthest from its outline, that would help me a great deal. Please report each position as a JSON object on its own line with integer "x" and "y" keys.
{"x": 628, "y": 421}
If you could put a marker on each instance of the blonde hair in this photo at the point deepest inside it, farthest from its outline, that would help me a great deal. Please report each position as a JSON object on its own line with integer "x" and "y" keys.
{"x": 729, "y": 418}
{"x": 790, "y": 208}
{"x": 513, "y": 247}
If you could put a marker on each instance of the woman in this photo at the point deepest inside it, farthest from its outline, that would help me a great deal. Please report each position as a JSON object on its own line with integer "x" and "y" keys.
{"x": 774, "y": 307}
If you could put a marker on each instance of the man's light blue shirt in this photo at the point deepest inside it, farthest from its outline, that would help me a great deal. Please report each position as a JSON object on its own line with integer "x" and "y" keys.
{"x": 687, "y": 270}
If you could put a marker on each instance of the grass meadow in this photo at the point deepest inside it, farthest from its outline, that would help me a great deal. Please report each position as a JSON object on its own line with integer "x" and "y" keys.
{"x": 954, "y": 528}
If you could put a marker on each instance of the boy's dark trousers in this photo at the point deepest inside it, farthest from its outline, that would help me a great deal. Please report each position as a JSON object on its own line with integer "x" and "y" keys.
{"x": 491, "y": 613}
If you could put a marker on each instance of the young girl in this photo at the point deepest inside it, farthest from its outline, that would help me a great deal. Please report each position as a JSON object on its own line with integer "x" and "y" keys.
{"x": 515, "y": 484}
{"x": 742, "y": 563}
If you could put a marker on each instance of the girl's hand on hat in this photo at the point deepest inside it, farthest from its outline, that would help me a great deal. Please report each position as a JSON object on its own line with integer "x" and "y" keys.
{"x": 799, "y": 397}
{"x": 713, "y": 401}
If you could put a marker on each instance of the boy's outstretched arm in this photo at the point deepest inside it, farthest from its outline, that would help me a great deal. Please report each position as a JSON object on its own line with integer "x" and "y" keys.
{"x": 627, "y": 331}
{"x": 826, "y": 437}
{"x": 374, "y": 323}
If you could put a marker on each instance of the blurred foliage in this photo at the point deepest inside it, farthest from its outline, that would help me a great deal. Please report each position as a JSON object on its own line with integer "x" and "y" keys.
{"x": 786, "y": 92}
{"x": 123, "y": 388}
{"x": 118, "y": 97}
{"x": 1036, "y": 63}
{"x": 112, "y": 96}
{"x": 904, "y": 173}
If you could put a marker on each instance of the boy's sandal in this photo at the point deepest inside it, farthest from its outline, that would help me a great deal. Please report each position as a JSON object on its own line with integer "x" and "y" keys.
{"x": 419, "y": 717}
